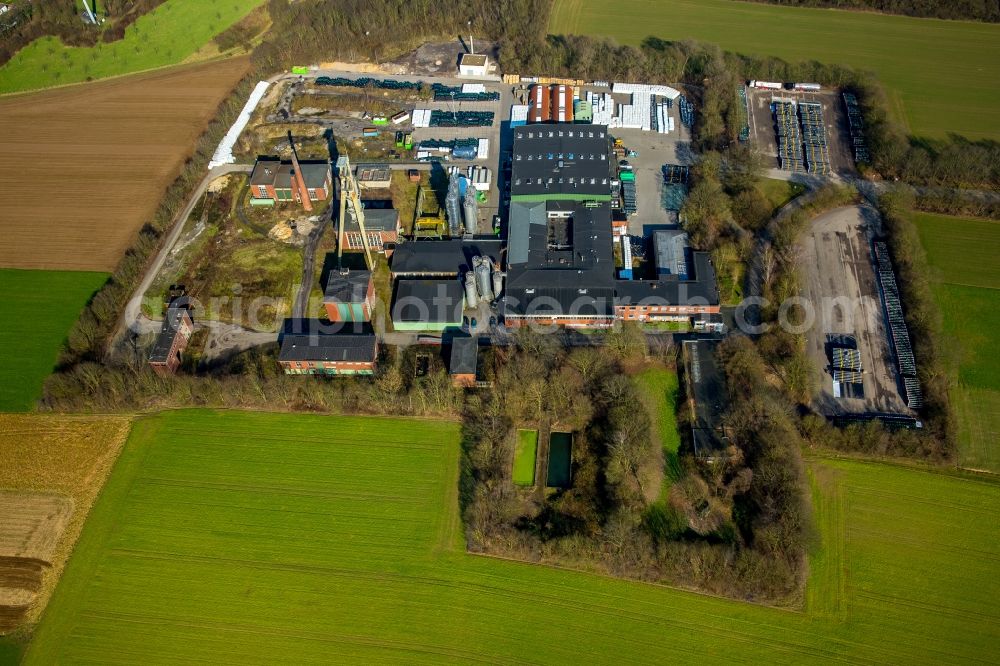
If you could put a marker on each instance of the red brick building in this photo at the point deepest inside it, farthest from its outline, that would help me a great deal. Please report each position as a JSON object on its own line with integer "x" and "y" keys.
{"x": 173, "y": 339}
{"x": 274, "y": 180}
{"x": 341, "y": 353}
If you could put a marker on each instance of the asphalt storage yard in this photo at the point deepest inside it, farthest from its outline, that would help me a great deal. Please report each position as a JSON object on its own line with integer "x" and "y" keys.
{"x": 837, "y": 132}
{"x": 839, "y": 281}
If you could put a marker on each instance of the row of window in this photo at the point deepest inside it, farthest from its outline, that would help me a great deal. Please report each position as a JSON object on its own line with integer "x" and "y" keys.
{"x": 559, "y": 156}
{"x": 354, "y": 239}
{"x": 571, "y": 180}
{"x": 589, "y": 134}
{"x": 283, "y": 194}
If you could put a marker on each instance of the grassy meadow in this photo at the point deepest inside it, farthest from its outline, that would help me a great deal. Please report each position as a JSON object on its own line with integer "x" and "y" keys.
{"x": 942, "y": 74}
{"x": 240, "y": 537}
{"x": 168, "y": 35}
{"x": 658, "y": 387}
{"x": 962, "y": 255}
{"x": 40, "y": 309}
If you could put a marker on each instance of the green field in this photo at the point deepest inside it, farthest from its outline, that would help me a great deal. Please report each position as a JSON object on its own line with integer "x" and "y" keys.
{"x": 779, "y": 192}
{"x": 237, "y": 537}
{"x": 166, "y": 36}
{"x": 961, "y": 250}
{"x": 943, "y": 74}
{"x": 658, "y": 387}
{"x": 524, "y": 457}
{"x": 962, "y": 253}
{"x": 40, "y": 308}
{"x": 978, "y": 413}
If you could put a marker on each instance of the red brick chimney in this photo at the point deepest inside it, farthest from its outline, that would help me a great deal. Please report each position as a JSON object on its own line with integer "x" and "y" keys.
{"x": 298, "y": 181}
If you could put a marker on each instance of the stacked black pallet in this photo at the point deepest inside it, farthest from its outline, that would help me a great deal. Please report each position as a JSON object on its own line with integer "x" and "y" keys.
{"x": 786, "y": 128}
{"x": 686, "y": 110}
{"x": 628, "y": 197}
{"x": 898, "y": 333}
{"x": 856, "y": 124}
{"x": 675, "y": 174}
{"x": 367, "y": 82}
{"x": 817, "y": 153}
{"x": 443, "y": 93}
{"x": 743, "y": 109}
{"x": 461, "y": 118}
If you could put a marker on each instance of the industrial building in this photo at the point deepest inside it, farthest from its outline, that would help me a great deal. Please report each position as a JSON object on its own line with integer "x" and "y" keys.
{"x": 315, "y": 352}
{"x": 381, "y": 225}
{"x": 441, "y": 258}
{"x": 173, "y": 338}
{"x": 374, "y": 176}
{"x": 560, "y": 243}
{"x": 550, "y": 104}
{"x": 464, "y": 361}
{"x": 349, "y": 295}
{"x": 427, "y": 305}
{"x": 274, "y": 180}
{"x": 473, "y": 64}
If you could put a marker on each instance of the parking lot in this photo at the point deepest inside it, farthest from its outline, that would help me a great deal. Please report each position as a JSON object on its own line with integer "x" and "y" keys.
{"x": 654, "y": 150}
{"x": 841, "y": 288}
{"x": 834, "y": 118}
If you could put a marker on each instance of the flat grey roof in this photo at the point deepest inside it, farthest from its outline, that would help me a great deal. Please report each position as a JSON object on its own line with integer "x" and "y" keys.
{"x": 567, "y": 159}
{"x": 428, "y": 301}
{"x": 376, "y": 219}
{"x": 342, "y": 346}
{"x": 699, "y": 289}
{"x": 441, "y": 257}
{"x": 473, "y": 59}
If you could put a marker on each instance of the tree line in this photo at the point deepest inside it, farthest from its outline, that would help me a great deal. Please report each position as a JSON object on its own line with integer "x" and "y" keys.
{"x": 968, "y": 10}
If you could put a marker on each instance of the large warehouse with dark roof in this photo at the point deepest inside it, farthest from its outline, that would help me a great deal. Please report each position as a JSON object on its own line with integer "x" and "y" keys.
{"x": 560, "y": 253}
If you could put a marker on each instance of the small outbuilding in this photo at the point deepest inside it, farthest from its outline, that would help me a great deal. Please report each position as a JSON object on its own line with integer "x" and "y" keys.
{"x": 349, "y": 295}
{"x": 464, "y": 361}
{"x": 473, "y": 64}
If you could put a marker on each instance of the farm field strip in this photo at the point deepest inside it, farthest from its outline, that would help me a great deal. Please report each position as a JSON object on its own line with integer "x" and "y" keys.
{"x": 87, "y": 181}
{"x": 40, "y": 309}
{"x": 359, "y": 555}
{"x": 165, "y": 36}
{"x": 61, "y": 461}
{"x": 961, "y": 252}
{"x": 978, "y": 413}
{"x": 944, "y": 72}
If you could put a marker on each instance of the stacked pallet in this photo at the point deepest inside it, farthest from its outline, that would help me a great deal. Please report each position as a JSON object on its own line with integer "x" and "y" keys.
{"x": 817, "y": 153}
{"x": 898, "y": 333}
{"x": 786, "y": 127}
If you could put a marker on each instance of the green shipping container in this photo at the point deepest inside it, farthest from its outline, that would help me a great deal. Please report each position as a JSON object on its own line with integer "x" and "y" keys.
{"x": 300, "y": 70}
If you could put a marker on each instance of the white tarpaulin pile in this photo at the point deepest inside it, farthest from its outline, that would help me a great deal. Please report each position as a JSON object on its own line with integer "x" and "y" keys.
{"x": 224, "y": 153}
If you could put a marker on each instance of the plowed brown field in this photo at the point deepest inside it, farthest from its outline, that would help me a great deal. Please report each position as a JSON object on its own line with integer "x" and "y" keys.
{"x": 83, "y": 167}
{"x": 51, "y": 470}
